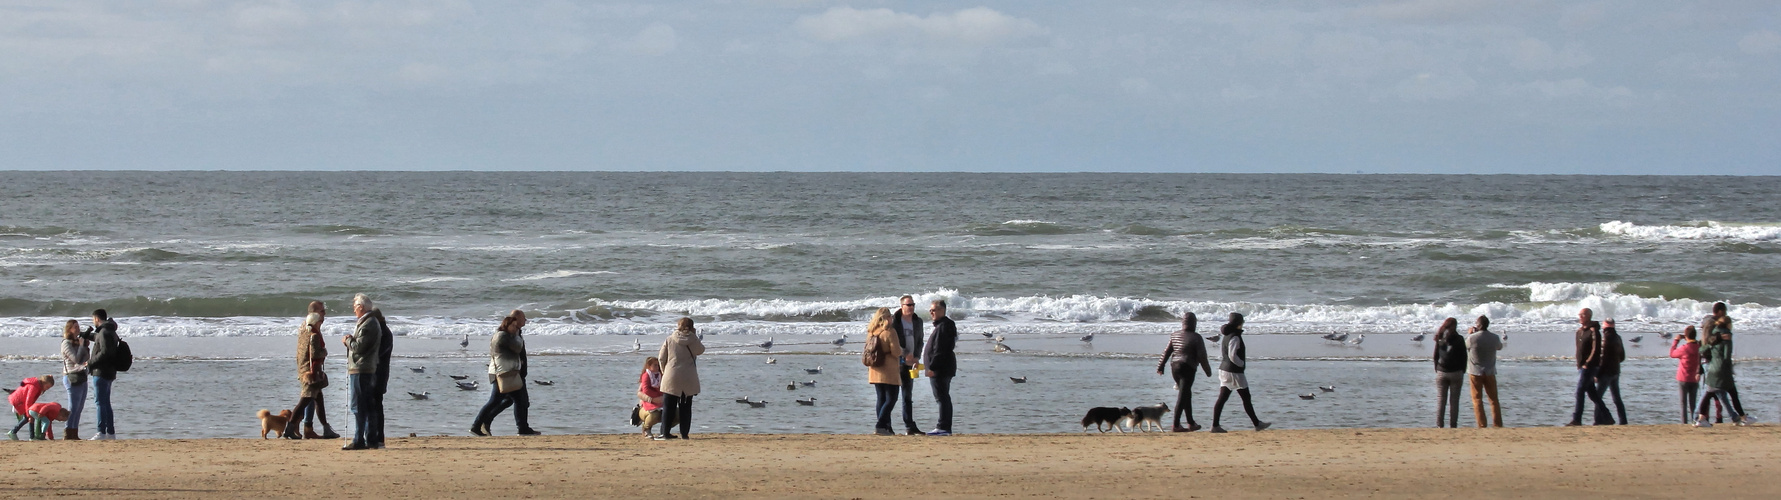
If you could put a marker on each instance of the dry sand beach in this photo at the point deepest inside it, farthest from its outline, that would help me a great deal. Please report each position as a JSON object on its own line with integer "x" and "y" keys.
{"x": 1669, "y": 461}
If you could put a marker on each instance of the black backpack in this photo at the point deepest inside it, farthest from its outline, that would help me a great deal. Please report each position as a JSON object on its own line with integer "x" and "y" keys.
{"x": 122, "y": 359}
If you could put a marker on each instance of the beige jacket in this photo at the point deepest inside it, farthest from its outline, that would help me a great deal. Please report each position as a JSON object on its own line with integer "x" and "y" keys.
{"x": 680, "y": 369}
{"x": 886, "y": 371}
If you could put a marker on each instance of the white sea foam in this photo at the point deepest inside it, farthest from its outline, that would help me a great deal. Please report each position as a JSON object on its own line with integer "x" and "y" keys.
{"x": 1709, "y": 230}
{"x": 558, "y": 274}
{"x": 441, "y": 279}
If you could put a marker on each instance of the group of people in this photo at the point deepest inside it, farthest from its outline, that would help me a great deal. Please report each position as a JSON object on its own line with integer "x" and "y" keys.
{"x": 367, "y": 373}
{"x": 1707, "y": 358}
{"x": 1186, "y": 353}
{"x": 1471, "y": 358}
{"x": 89, "y": 359}
{"x": 896, "y": 350}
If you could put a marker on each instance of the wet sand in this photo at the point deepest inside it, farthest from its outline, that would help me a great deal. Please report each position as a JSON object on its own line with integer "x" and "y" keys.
{"x": 1668, "y": 461}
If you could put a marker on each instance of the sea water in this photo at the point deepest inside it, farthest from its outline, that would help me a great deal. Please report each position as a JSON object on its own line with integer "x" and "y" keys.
{"x": 209, "y": 274}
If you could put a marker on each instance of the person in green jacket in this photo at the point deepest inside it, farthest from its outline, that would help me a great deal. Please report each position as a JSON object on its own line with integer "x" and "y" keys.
{"x": 1716, "y": 355}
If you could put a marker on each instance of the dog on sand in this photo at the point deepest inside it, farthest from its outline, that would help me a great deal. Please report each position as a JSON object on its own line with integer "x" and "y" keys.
{"x": 1103, "y": 416}
{"x": 273, "y": 424}
{"x": 1151, "y": 416}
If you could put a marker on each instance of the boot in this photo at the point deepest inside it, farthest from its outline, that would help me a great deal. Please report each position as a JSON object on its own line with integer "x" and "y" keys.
{"x": 70, "y": 434}
{"x": 309, "y": 432}
{"x": 290, "y": 430}
{"x": 328, "y": 432}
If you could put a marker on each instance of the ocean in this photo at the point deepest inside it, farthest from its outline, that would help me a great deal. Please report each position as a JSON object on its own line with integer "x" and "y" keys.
{"x": 208, "y": 273}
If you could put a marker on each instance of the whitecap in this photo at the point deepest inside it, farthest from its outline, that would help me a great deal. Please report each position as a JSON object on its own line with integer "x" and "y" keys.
{"x": 558, "y": 274}
{"x": 1709, "y": 230}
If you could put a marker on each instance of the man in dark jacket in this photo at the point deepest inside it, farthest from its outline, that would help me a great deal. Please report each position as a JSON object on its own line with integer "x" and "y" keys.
{"x": 386, "y": 341}
{"x": 942, "y": 364}
{"x": 1607, "y": 378}
{"x": 1589, "y": 363}
{"x": 908, "y": 327}
{"x": 104, "y": 341}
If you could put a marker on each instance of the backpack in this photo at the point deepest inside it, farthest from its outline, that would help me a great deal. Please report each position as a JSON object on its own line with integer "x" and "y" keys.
{"x": 874, "y": 354}
{"x": 121, "y": 360}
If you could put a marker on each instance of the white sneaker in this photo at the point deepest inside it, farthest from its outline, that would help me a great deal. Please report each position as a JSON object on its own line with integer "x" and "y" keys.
{"x": 110, "y": 437}
{"x": 96, "y": 437}
{"x": 1703, "y": 423}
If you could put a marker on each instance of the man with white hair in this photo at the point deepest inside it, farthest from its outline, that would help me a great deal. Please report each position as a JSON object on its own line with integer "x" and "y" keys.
{"x": 361, "y": 369}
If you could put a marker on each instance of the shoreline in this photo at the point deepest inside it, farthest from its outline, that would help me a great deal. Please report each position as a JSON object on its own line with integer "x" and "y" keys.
{"x": 1620, "y": 461}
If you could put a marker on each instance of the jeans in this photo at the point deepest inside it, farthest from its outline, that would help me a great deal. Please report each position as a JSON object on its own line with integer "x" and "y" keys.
{"x": 943, "y": 396}
{"x": 1486, "y": 384}
{"x": 1722, "y": 396}
{"x": 1447, "y": 386}
{"x": 1689, "y": 391}
{"x": 1609, "y": 385}
{"x": 364, "y": 408}
{"x": 102, "y": 400}
{"x": 77, "y": 399}
{"x": 1184, "y": 403}
{"x": 887, "y": 401}
{"x": 908, "y": 389}
{"x": 677, "y": 410}
{"x": 520, "y": 400}
{"x": 1586, "y": 388}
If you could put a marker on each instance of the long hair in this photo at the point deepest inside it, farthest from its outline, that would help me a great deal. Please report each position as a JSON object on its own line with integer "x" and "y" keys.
{"x": 881, "y": 320}
{"x": 71, "y": 329}
{"x": 1451, "y": 326}
{"x": 685, "y": 326}
{"x": 649, "y": 361}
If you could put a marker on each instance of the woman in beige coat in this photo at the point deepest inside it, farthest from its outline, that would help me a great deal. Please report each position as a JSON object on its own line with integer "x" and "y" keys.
{"x": 311, "y": 352}
{"x": 883, "y": 376}
{"x": 680, "y": 377}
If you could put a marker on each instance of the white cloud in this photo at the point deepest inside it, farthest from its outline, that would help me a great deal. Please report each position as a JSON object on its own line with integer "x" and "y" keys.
{"x": 978, "y": 25}
{"x": 1761, "y": 42}
{"x": 655, "y": 39}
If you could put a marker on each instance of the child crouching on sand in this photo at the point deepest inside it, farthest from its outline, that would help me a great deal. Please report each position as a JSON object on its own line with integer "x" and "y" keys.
{"x": 26, "y": 395}
{"x": 649, "y": 395}
{"x": 40, "y": 416}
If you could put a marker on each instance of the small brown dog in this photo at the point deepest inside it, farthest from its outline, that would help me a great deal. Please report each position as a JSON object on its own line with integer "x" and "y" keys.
{"x": 273, "y": 424}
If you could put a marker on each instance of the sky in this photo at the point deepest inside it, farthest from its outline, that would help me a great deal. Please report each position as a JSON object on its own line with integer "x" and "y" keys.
{"x": 1415, "y": 86}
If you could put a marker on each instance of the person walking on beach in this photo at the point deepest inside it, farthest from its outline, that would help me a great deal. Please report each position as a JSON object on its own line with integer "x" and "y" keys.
{"x": 1686, "y": 348}
{"x": 1588, "y": 363}
{"x": 1186, "y": 352}
{"x": 507, "y": 377}
{"x": 881, "y": 356}
{"x": 74, "y": 376}
{"x": 1450, "y": 372}
{"x": 941, "y": 364}
{"x": 102, "y": 340}
{"x": 362, "y": 348}
{"x": 909, "y": 338}
{"x": 1230, "y": 374}
{"x": 1716, "y": 355}
{"x": 649, "y": 396}
{"x": 1607, "y": 378}
{"x": 680, "y": 377}
{"x": 312, "y": 351}
{"x": 1481, "y": 369}
{"x": 1711, "y": 323}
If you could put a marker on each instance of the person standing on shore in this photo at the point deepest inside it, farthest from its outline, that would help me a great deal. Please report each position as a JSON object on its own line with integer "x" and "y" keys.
{"x": 908, "y": 328}
{"x": 385, "y": 344}
{"x": 1481, "y": 369}
{"x": 881, "y": 357}
{"x": 1230, "y": 374}
{"x": 680, "y": 377}
{"x": 1716, "y": 355}
{"x": 1450, "y": 372}
{"x": 507, "y": 378}
{"x": 362, "y": 348}
{"x": 312, "y": 351}
{"x": 1686, "y": 348}
{"x": 74, "y": 376}
{"x": 1607, "y": 378}
{"x": 102, "y": 340}
{"x": 1588, "y": 363}
{"x": 941, "y": 364}
{"x": 1711, "y": 323}
{"x": 1186, "y": 352}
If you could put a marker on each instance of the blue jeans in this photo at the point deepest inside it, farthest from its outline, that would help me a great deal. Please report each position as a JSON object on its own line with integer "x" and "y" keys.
{"x": 364, "y": 408}
{"x": 943, "y": 396}
{"x": 887, "y": 403}
{"x": 102, "y": 400}
{"x": 77, "y": 399}
{"x": 1586, "y": 387}
{"x": 519, "y": 400}
{"x": 1609, "y": 385}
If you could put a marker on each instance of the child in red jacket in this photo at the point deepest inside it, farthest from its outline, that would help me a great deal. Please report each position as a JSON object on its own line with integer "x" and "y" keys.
{"x": 40, "y": 416}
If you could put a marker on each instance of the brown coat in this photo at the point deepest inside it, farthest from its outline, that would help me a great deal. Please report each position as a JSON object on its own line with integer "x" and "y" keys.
{"x": 680, "y": 368}
{"x": 311, "y": 352}
{"x": 886, "y": 371}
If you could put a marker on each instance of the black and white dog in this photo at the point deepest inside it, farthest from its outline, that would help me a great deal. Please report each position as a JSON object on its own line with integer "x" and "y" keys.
{"x": 1147, "y": 415}
{"x": 1103, "y": 416}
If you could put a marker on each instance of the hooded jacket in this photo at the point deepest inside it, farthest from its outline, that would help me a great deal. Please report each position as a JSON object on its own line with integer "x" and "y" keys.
{"x": 680, "y": 367}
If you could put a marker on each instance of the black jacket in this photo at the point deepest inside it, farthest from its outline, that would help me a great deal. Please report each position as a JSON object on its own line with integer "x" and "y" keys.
{"x": 1612, "y": 352}
{"x": 1450, "y": 352}
{"x": 946, "y": 336}
{"x": 383, "y": 353}
{"x": 1236, "y": 354}
{"x": 104, "y": 342}
{"x": 897, "y": 325}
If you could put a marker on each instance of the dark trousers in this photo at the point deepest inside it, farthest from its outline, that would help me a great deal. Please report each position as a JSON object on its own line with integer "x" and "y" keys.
{"x": 383, "y": 384}
{"x": 887, "y": 402}
{"x": 677, "y": 410}
{"x": 943, "y": 396}
{"x": 908, "y": 389}
{"x": 1184, "y": 403}
{"x": 1737, "y": 404}
{"x": 364, "y": 407}
{"x": 1586, "y": 388}
{"x": 1689, "y": 391}
{"x": 1447, "y": 387}
{"x": 1224, "y": 394}
{"x": 1608, "y": 386}
{"x": 1714, "y": 395}
{"x": 520, "y": 401}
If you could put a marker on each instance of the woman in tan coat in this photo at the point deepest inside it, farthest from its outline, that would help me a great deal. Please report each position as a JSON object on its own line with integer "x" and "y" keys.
{"x": 680, "y": 377}
{"x": 311, "y": 352}
{"x": 883, "y": 376}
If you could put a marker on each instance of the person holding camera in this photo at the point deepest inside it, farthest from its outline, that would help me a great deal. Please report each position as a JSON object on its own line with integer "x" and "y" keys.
{"x": 74, "y": 376}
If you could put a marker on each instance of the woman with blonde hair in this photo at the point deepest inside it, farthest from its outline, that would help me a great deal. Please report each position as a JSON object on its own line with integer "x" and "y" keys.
{"x": 311, "y": 352}
{"x": 74, "y": 375}
{"x": 680, "y": 377}
{"x": 880, "y": 357}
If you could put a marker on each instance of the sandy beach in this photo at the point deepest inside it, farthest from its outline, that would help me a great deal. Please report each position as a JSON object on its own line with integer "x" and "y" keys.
{"x": 1667, "y": 461}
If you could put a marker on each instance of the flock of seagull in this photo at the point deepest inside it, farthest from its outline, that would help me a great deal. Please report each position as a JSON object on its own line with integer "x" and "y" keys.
{"x": 460, "y": 381}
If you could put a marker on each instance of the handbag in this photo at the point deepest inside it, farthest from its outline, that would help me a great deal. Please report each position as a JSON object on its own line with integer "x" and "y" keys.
{"x": 319, "y": 380}
{"x": 509, "y": 381}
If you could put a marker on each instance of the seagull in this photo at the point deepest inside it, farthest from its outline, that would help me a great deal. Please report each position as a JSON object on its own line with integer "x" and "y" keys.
{"x": 772, "y": 361}
{"x": 1087, "y": 338}
{"x": 1419, "y": 337}
{"x": 814, "y": 371}
{"x": 768, "y": 344}
{"x": 1018, "y": 380}
{"x": 1636, "y": 339}
{"x": 458, "y": 377}
{"x": 792, "y": 386}
{"x": 418, "y": 395}
{"x": 1214, "y": 339}
{"x": 464, "y": 344}
{"x": 806, "y": 402}
{"x": 840, "y": 341}
{"x": 1001, "y": 347}
{"x": 468, "y": 386}
{"x": 988, "y": 335}
{"x": 1000, "y": 338}
{"x": 1331, "y": 388}
{"x": 757, "y": 404}
{"x": 545, "y": 382}
{"x": 809, "y": 384}
{"x": 1357, "y": 339}
{"x": 636, "y": 345}
{"x": 743, "y": 399}
{"x": 418, "y": 369}
{"x": 1329, "y": 336}
{"x": 1664, "y": 335}
{"x": 1308, "y": 396}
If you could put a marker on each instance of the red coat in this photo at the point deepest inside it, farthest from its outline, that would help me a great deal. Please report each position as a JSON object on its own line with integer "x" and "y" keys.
{"x": 26, "y": 395}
